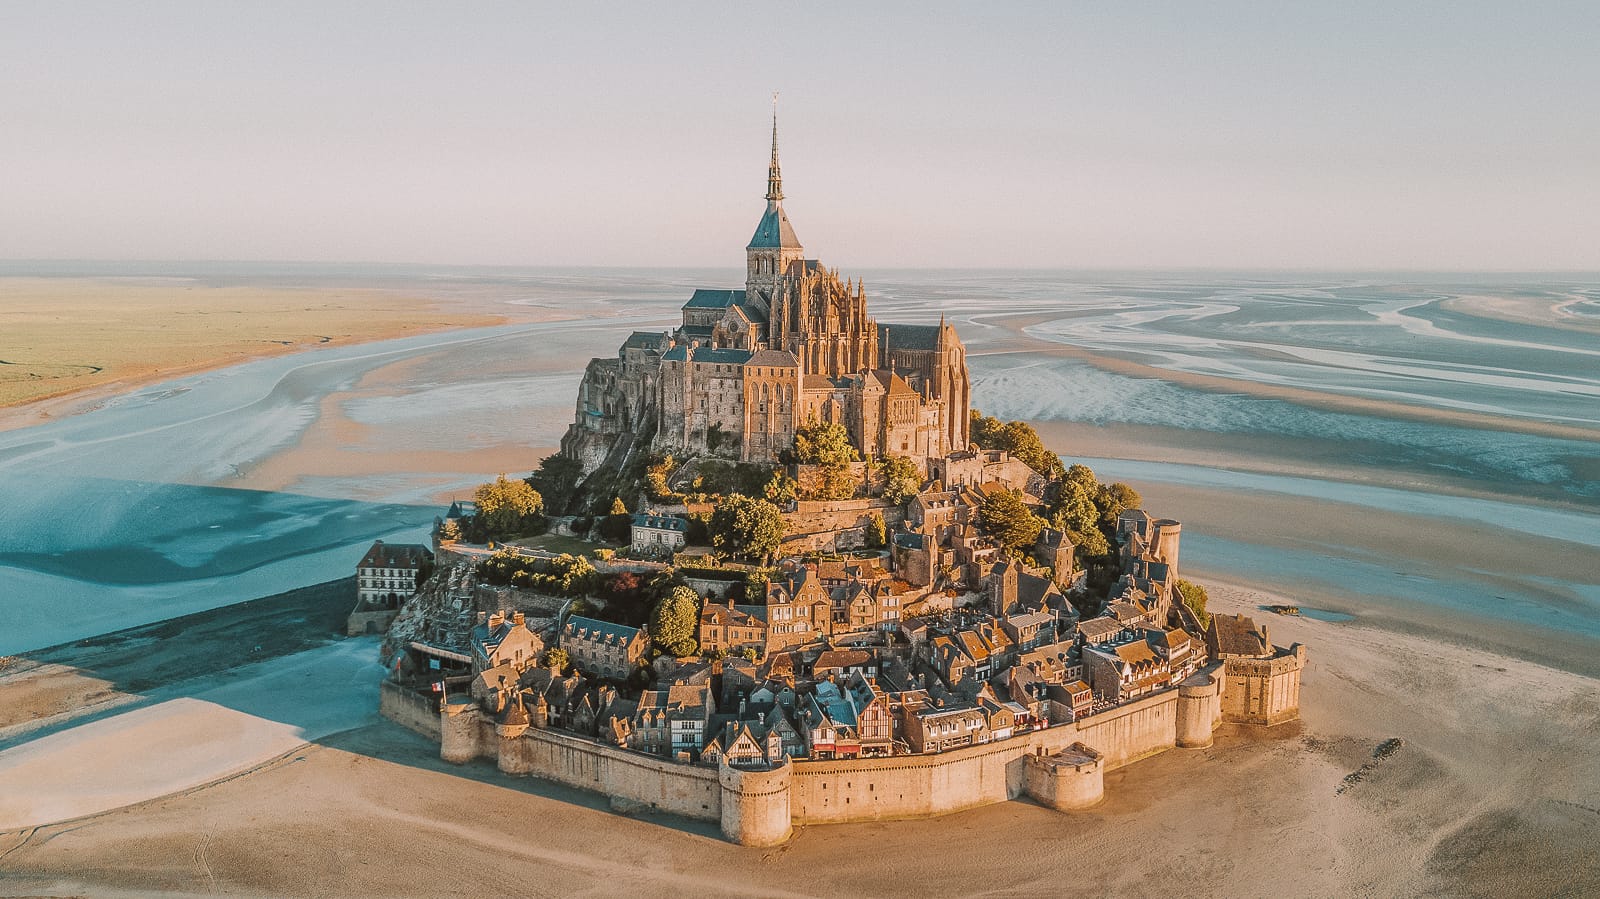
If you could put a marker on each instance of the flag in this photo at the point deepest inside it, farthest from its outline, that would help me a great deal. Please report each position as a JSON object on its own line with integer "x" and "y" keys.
{"x": 434, "y": 664}
{"x": 438, "y": 686}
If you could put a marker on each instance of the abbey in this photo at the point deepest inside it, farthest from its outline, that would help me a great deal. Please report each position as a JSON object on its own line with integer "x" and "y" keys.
{"x": 747, "y": 367}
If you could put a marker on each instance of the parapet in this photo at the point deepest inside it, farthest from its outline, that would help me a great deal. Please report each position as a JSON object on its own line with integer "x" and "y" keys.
{"x": 755, "y": 803}
{"x": 1072, "y": 778}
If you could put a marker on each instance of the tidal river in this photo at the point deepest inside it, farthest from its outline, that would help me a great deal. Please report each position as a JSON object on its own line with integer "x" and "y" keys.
{"x": 1419, "y": 452}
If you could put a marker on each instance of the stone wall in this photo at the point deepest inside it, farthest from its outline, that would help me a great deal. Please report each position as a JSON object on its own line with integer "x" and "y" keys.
{"x": 409, "y": 709}
{"x": 835, "y": 525}
{"x": 921, "y": 785}
{"x": 1061, "y": 766}
{"x": 627, "y": 777}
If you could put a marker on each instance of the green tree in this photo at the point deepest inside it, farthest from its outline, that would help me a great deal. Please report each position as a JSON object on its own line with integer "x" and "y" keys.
{"x": 823, "y": 443}
{"x": 900, "y": 479}
{"x": 1194, "y": 596}
{"x": 557, "y": 481}
{"x": 655, "y": 479}
{"x": 1114, "y": 499}
{"x": 781, "y": 488}
{"x": 507, "y": 507}
{"x": 1075, "y": 508}
{"x": 556, "y": 660}
{"x": 985, "y": 430}
{"x": 618, "y": 526}
{"x": 876, "y": 532}
{"x": 743, "y": 526}
{"x": 1009, "y": 520}
{"x": 1017, "y": 438}
{"x": 450, "y": 531}
{"x": 674, "y": 620}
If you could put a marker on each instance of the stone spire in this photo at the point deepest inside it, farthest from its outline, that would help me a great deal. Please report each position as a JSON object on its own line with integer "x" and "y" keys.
{"x": 774, "y": 175}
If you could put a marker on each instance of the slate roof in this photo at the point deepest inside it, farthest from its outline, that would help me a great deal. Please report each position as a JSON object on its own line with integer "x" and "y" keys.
{"x": 597, "y": 629}
{"x": 710, "y": 298}
{"x": 645, "y": 340}
{"x": 395, "y": 555}
{"x": 774, "y": 359}
{"x": 661, "y": 522}
{"x": 774, "y": 230}
{"x": 680, "y": 353}
{"x": 908, "y": 337}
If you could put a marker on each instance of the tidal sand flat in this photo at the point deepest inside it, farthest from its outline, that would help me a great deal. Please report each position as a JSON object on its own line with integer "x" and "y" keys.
{"x": 78, "y": 336}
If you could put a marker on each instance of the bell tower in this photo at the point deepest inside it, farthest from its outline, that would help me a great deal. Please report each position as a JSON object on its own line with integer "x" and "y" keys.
{"x": 774, "y": 245}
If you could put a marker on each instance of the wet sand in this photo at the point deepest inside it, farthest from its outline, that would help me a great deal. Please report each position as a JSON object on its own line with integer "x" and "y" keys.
{"x": 1491, "y": 793}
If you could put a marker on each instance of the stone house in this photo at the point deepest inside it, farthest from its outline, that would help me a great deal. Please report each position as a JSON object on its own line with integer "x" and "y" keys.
{"x": 673, "y": 720}
{"x": 504, "y": 639}
{"x": 730, "y": 628}
{"x": 799, "y": 609}
{"x": 658, "y": 535}
{"x": 1126, "y": 670}
{"x": 603, "y": 648}
{"x": 936, "y": 727}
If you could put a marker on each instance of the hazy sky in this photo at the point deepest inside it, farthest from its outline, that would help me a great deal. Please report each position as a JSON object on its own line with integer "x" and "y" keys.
{"x": 1443, "y": 135}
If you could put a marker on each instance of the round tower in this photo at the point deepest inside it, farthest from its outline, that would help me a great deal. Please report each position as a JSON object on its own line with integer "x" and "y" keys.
{"x": 1199, "y": 707}
{"x": 755, "y": 804}
{"x": 1167, "y": 533}
{"x": 458, "y": 730}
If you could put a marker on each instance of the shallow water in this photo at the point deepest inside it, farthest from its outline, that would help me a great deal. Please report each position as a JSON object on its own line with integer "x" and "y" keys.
{"x": 133, "y": 512}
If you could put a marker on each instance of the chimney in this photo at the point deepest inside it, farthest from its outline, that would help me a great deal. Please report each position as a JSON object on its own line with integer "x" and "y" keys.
{"x": 517, "y": 618}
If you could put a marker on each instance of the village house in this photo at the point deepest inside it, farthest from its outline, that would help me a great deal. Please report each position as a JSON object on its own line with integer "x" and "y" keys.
{"x": 502, "y": 638}
{"x": 799, "y": 609}
{"x": 673, "y": 720}
{"x": 728, "y": 628}
{"x": 935, "y": 726}
{"x": 603, "y": 648}
{"x": 1126, "y": 670}
{"x": 658, "y": 535}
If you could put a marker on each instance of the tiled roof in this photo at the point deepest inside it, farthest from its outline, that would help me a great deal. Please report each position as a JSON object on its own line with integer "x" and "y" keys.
{"x": 645, "y": 340}
{"x": 774, "y": 359}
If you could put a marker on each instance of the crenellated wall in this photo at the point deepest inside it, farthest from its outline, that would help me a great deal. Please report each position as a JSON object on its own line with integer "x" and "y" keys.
{"x": 1060, "y": 767}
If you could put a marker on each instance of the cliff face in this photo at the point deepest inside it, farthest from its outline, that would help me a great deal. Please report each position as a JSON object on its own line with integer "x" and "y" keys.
{"x": 441, "y": 613}
{"x": 615, "y": 420}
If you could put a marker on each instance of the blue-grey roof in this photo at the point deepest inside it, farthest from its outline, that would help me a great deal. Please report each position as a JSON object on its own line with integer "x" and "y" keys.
{"x": 706, "y": 298}
{"x": 645, "y": 340}
{"x": 735, "y": 357}
{"x": 661, "y": 522}
{"x": 679, "y": 353}
{"x": 774, "y": 230}
{"x": 620, "y": 632}
{"x": 908, "y": 337}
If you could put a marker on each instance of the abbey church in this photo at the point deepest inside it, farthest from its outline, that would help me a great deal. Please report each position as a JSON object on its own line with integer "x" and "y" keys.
{"x": 747, "y": 367}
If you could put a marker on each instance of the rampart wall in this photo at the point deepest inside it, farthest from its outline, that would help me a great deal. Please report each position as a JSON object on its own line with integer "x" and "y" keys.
{"x": 1060, "y": 766}
{"x": 409, "y": 709}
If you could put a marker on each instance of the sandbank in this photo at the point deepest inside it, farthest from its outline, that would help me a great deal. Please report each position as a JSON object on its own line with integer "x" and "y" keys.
{"x": 67, "y": 342}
